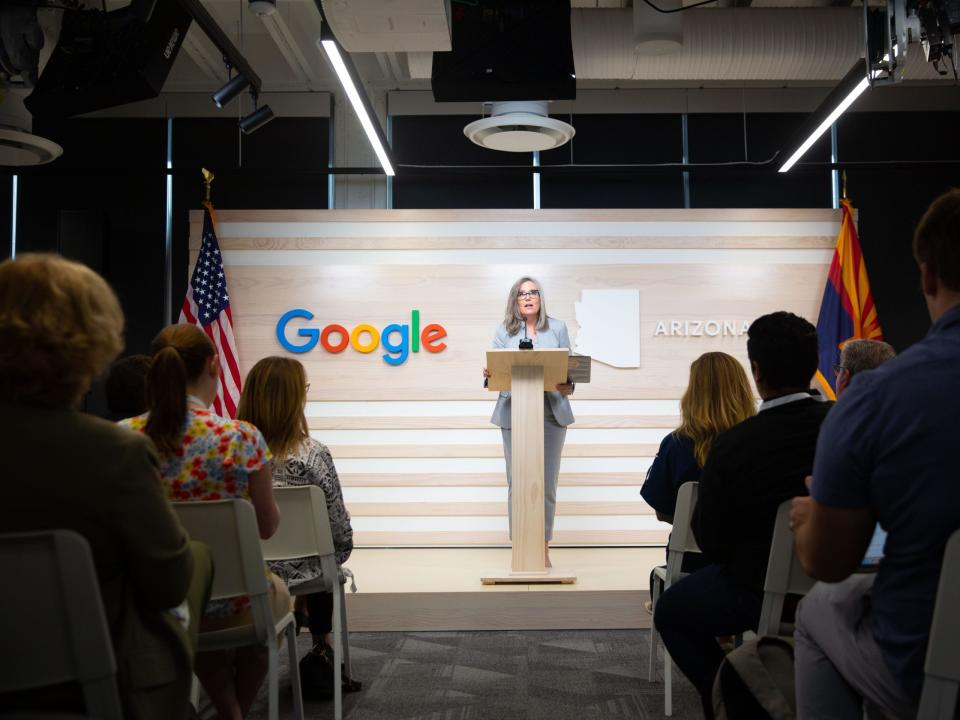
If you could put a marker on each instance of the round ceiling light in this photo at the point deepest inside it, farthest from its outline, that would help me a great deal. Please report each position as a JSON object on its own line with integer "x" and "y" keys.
{"x": 519, "y": 127}
{"x": 22, "y": 148}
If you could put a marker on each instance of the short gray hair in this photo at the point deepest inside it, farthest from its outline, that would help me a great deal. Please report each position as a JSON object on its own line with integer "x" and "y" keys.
{"x": 512, "y": 317}
{"x": 859, "y": 355}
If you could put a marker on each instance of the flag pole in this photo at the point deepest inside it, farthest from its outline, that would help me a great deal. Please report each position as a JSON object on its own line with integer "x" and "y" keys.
{"x": 207, "y": 181}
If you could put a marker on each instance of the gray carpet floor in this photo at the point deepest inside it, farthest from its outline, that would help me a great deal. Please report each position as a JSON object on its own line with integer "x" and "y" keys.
{"x": 529, "y": 675}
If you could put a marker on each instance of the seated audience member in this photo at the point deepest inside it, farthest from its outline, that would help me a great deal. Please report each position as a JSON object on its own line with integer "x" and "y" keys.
{"x": 885, "y": 454}
{"x": 126, "y": 386}
{"x": 750, "y": 470}
{"x": 206, "y": 457}
{"x": 273, "y": 399}
{"x": 60, "y": 325}
{"x": 717, "y": 397}
{"x": 857, "y": 356}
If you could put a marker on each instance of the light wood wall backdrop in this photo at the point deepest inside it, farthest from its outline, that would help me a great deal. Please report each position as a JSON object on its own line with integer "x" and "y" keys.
{"x": 419, "y": 461}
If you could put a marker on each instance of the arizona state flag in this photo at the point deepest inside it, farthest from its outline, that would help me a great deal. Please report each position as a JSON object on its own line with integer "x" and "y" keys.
{"x": 847, "y": 311}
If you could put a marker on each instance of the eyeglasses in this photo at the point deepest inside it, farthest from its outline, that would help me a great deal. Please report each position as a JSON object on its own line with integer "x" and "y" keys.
{"x": 528, "y": 293}
{"x": 837, "y": 369}
{"x": 307, "y": 388}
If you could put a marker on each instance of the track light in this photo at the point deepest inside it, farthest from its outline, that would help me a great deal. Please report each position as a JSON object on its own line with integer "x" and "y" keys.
{"x": 364, "y": 114}
{"x": 256, "y": 120}
{"x": 836, "y": 103}
{"x": 228, "y": 92}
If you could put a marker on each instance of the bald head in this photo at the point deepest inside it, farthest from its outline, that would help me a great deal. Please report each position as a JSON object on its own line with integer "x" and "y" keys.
{"x": 859, "y": 355}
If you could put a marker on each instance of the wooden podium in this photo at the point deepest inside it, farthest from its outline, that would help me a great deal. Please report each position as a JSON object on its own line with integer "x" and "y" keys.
{"x": 527, "y": 374}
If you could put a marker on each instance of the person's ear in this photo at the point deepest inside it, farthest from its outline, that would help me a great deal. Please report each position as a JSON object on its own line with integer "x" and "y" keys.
{"x": 929, "y": 282}
{"x": 843, "y": 380}
{"x": 213, "y": 366}
{"x": 755, "y": 370}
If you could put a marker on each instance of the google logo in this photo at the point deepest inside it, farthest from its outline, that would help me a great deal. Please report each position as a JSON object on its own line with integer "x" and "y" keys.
{"x": 335, "y": 338}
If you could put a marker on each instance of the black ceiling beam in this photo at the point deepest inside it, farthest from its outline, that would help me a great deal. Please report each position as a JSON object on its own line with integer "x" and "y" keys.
{"x": 219, "y": 38}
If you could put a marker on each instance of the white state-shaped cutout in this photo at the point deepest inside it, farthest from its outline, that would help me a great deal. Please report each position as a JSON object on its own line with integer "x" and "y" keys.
{"x": 609, "y": 323}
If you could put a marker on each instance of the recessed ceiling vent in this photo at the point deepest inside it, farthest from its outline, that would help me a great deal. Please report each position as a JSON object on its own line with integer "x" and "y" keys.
{"x": 18, "y": 146}
{"x": 519, "y": 127}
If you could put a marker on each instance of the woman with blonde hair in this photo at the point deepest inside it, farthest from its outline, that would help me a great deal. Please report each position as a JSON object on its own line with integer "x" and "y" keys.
{"x": 717, "y": 397}
{"x": 526, "y": 326}
{"x": 274, "y": 397}
{"x": 60, "y": 326}
{"x": 207, "y": 457}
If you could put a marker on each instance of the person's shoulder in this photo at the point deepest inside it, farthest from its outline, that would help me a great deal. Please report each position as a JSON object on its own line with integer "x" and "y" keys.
{"x": 675, "y": 443}
{"x": 556, "y": 324}
{"x": 122, "y": 442}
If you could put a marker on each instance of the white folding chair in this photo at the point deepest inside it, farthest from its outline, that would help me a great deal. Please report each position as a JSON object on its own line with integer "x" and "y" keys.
{"x": 938, "y": 701}
{"x": 785, "y": 575}
{"x": 54, "y": 628}
{"x": 229, "y": 528}
{"x": 682, "y": 542}
{"x": 305, "y": 532}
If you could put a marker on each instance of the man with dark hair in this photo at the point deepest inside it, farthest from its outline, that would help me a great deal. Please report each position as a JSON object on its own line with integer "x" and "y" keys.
{"x": 860, "y": 355}
{"x": 885, "y": 453}
{"x": 126, "y": 387}
{"x": 751, "y": 469}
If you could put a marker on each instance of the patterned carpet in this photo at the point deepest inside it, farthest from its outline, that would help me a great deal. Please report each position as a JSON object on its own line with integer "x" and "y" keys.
{"x": 530, "y": 675}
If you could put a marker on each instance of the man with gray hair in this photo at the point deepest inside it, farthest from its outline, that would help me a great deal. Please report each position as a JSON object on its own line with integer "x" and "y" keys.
{"x": 859, "y": 355}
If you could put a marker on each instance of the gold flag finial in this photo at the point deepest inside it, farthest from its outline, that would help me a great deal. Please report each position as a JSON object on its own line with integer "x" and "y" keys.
{"x": 843, "y": 184}
{"x": 207, "y": 180}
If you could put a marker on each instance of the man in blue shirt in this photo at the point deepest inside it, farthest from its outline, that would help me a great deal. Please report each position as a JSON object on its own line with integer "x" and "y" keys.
{"x": 886, "y": 453}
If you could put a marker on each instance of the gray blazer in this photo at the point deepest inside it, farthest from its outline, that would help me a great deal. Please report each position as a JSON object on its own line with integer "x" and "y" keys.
{"x": 555, "y": 336}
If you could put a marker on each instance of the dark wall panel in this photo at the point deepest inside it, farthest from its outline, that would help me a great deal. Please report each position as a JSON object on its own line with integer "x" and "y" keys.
{"x": 727, "y": 138}
{"x": 439, "y": 140}
{"x": 891, "y": 199}
{"x": 282, "y": 165}
{"x": 616, "y": 140}
{"x": 6, "y": 215}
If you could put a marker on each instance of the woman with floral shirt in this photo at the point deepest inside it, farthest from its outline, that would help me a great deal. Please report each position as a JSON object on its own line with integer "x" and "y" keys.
{"x": 207, "y": 457}
{"x": 274, "y": 396}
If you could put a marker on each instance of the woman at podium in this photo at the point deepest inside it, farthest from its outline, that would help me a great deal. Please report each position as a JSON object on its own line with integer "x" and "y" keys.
{"x": 526, "y": 325}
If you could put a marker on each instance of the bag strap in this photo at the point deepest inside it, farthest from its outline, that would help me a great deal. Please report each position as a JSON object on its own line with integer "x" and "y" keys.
{"x": 747, "y": 663}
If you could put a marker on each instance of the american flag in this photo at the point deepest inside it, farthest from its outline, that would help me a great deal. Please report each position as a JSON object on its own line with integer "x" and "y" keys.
{"x": 208, "y": 306}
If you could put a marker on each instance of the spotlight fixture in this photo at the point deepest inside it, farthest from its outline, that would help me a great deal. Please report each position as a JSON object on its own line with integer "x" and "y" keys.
{"x": 836, "y": 103}
{"x": 256, "y": 120}
{"x": 228, "y": 92}
{"x": 349, "y": 79}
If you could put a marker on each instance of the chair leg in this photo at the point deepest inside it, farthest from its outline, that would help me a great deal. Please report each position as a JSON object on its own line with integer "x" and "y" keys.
{"x": 273, "y": 679}
{"x": 651, "y": 673}
{"x": 667, "y": 683}
{"x": 345, "y": 629}
{"x": 337, "y": 655}
{"x": 291, "y": 633}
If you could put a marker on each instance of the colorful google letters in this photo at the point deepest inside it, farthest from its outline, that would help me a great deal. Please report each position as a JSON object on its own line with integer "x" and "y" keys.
{"x": 398, "y": 340}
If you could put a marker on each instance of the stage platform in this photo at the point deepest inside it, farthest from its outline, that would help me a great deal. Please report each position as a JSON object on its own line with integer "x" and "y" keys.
{"x": 440, "y": 589}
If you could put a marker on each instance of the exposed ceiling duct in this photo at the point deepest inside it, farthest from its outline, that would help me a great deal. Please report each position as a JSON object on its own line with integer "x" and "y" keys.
{"x": 721, "y": 44}
{"x": 658, "y": 33}
{"x": 390, "y": 25}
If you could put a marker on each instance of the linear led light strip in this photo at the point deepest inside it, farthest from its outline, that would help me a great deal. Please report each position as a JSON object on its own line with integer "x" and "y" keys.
{"x": 333, "y": 54}
{"x": 830, "y": 120}
{"x": 832, "y": 117}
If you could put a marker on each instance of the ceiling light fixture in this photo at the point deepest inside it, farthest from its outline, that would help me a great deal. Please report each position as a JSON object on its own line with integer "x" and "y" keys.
{"x": 852, "y": 86}
{"x": 229, "y": 91}
{"x": 349, "y": 79}
{"x": 257, "y": 119}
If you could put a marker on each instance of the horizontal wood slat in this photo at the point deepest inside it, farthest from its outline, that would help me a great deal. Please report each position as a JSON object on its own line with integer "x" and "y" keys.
{"x": 484, "y": 451}
{"x": 484, "y": 537}
{"x": 495, "y": 509}
{"x": 479, "y": 479}
{"x": 481, "y": 423}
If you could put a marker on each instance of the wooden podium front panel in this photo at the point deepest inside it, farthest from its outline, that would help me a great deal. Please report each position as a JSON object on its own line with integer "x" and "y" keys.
{"x": 527, "y": 442}
{"x": 418, "y": 458}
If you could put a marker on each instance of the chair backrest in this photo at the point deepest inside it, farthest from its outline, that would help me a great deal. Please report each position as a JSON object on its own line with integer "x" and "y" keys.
{"x": 785, "y": 576}
{"x": 53, "y": 626}
{"x": 682, "y": 539}
{"x": 304, "y": 525}
{"x": 943, "y": 647}
{"x": 229, "y": 529}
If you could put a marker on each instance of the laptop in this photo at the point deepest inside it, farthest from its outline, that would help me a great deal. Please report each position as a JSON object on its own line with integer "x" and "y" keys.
{"x": 873, "y": 556}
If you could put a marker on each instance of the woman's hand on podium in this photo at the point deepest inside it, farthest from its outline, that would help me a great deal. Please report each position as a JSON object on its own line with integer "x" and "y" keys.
{"x": 565, "y": 389}
{"x": 486, "y": 373}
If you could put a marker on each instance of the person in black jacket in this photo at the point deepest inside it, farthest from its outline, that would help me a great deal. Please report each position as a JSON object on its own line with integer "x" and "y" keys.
{"x": 751, "y": 469}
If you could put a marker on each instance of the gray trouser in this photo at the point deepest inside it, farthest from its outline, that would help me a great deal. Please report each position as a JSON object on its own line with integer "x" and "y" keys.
{"x": 553, "y": 437}
{"x": 838, "y": 661}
